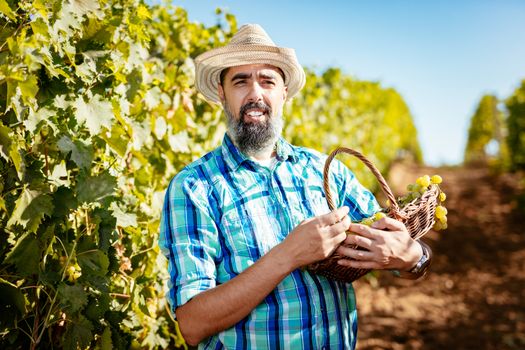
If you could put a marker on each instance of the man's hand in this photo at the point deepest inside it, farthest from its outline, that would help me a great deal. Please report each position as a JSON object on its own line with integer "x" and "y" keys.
{"x": 388, "y": 246}
{"x": 317, "y": 238}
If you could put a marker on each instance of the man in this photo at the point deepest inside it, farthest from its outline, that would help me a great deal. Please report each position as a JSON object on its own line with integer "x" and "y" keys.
{"x": 239, "y": 224}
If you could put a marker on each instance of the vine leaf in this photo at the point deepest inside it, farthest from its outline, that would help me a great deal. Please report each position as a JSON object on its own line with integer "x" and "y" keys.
{"x": 6, "y": 10}
{"x": 25, "y": 255}
{"x": 81, "y": 152}
{"x": 123, "y": 219}
{"x": 72, "y": 298}
{"x": 96, "y": 188}
{"x": 13, "y": 303}
{"x": 93, "y": 262}
{"x": 30, "y": 209}
{"x": 95, "y": 114}
{"x": 78, "y": 334}
{"x": 34, "y": 119}
{"x": 5, "y": 141}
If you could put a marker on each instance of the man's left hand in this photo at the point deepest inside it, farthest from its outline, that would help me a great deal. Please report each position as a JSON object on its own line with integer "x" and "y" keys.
{"x": 388, "y": 246}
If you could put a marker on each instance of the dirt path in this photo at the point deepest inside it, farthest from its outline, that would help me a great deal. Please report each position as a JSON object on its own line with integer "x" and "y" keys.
{"x": 474, "y": 296}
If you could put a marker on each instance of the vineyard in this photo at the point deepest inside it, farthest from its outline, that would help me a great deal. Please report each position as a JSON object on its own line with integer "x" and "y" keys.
{"x": 98, "y": 112}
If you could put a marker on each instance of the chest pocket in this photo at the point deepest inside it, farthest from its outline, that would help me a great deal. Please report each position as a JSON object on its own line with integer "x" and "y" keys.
{"x": 315, "y": 199}
{"x": 250, "y": 231}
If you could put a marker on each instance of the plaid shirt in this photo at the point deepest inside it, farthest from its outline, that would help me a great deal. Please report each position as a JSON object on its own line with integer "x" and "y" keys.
{"x": 224, "y": 211}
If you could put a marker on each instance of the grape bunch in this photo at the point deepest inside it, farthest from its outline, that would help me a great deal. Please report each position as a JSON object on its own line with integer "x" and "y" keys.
{"x": 417, "y": 189}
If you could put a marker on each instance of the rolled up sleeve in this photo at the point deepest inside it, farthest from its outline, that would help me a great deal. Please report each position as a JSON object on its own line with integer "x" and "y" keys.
{"x": 188, "y": 238}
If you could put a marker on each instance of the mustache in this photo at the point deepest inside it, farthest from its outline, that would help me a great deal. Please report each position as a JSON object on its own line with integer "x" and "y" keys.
{"x": 259, "y": 105}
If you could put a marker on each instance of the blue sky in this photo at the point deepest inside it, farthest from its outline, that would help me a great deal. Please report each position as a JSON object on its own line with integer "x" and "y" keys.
{"x": 442, "y": 56}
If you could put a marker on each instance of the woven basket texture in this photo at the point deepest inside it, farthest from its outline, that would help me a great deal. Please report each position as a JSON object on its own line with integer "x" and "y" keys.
{"x": 418, "y": 217}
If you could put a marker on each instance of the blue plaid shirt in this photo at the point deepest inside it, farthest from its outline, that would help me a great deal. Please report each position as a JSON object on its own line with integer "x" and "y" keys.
{"x": 224, "y": 211}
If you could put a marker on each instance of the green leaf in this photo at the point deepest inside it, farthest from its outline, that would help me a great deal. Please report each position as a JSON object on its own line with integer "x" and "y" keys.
{"x": 95, "y": 114}
{"x": 13, "y": 304}
{"x": 97, "y": 307}
{"x": 5, "y": 141}
{"x": 72, "y": 298}
{"x": 152, "y": 98}
{"x": 25, "y": 255}
{"x": 123, "y": 219}
{"x": 59, "y": 175}
{"x": 34, "y": 119}
{"x": 63, "y": 200}
{"x": 30, "y": 209}
{"x": 93, "y": 262}
{"x": 81, "y": 151}
{"x": 118, "y": 141}
{"x": 85, "y": 7}
{"x": 179, "y": 142}
{"x": 18, "y": 161}
{"x": 29, "y": 88}
{"x": 79, "y": 334}
{"x": 6, "y": 10}
{"x": 94, "y": 189}
{"x": 105, "y": 340}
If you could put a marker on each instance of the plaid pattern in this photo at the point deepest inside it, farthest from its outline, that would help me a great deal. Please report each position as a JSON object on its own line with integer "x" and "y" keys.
{"x": 224, "y": 211}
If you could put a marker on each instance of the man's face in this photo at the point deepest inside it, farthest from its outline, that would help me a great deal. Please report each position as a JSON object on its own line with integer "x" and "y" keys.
{"x": 253, "y": 97}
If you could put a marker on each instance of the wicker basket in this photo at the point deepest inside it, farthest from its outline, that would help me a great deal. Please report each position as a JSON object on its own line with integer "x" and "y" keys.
{"x": 418, "y": 217}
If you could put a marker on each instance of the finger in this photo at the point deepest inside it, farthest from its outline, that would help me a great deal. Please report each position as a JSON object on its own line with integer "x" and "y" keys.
{"x": 364, "y": 242}
{"x": 356, "y": 254}
{"x": 341, "y": 226}
{"x": 358, "y": 264}
{"x": 363, "y": 230}
{"x": 390, "y": 224}
{"x": 334, "y": 216}
{"x": 340, "y": 238}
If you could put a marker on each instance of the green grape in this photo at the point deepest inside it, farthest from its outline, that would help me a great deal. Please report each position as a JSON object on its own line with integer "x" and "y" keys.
{"x": 436, "y": 179}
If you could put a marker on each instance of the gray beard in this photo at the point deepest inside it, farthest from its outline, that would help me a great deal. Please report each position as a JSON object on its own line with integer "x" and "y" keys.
{"x": 253, "y": 139}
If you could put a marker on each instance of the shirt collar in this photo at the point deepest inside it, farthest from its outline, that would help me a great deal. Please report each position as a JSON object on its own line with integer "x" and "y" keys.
{"x": 235, "y": 158}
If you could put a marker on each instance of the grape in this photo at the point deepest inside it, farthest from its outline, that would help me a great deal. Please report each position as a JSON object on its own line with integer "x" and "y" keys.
{"x": 436, "y": 179}
{"x": 367, "y": 221}
{"x": 441, "y": 211}
{"x": 379, "y": 215}
{"x": 423, "y": 181}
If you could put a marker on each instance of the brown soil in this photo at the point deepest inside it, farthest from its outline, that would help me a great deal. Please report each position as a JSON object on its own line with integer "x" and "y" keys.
{"x": 474, "y": 295}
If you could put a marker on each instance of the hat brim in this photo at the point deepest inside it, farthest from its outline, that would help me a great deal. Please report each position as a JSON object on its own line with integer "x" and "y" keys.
{"x": 209, "y": 65}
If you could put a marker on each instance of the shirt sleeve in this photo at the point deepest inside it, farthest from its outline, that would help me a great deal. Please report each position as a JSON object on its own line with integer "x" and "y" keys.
{"x": 360, "y": 200}
{"x": 188, "y": 238}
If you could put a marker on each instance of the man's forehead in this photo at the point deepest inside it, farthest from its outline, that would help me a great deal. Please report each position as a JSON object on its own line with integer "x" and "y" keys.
{"x": 254, "y": 68}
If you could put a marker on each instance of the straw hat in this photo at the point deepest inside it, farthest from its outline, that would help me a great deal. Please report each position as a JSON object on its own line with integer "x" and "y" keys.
{"x": 250, "y": 45}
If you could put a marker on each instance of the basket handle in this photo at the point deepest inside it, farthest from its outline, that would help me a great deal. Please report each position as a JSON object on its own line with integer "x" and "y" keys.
{"x": 394, "y": 207}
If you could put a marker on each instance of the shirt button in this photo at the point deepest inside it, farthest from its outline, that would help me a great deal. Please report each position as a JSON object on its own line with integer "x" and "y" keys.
{"x": 324, "y": 347}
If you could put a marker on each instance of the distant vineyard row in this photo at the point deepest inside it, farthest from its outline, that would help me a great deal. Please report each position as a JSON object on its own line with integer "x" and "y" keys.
{"x": 497, "y": 132}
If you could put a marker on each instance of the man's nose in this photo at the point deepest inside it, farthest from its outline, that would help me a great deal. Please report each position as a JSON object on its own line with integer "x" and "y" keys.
{"x": 256, "y": 92}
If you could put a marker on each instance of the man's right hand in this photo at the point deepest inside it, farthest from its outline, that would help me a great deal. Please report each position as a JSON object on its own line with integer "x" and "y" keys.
{"x": 317, "y": 238}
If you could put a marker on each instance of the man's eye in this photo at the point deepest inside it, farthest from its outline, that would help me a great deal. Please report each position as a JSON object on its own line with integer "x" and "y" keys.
{"x": 269, "y": 82}
{"x": 239, "y": 82}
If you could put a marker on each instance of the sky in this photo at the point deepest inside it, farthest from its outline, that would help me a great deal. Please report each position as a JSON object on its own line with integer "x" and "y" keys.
{"x": 441, "y": 56}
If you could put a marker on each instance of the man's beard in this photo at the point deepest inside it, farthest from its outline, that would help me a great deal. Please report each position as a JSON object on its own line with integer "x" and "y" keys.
{"x": 254, "y": 138}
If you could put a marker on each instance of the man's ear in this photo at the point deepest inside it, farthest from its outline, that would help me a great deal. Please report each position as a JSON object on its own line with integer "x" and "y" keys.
{"x": 220, "y": 90}
{"x": 285, "y": 93}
